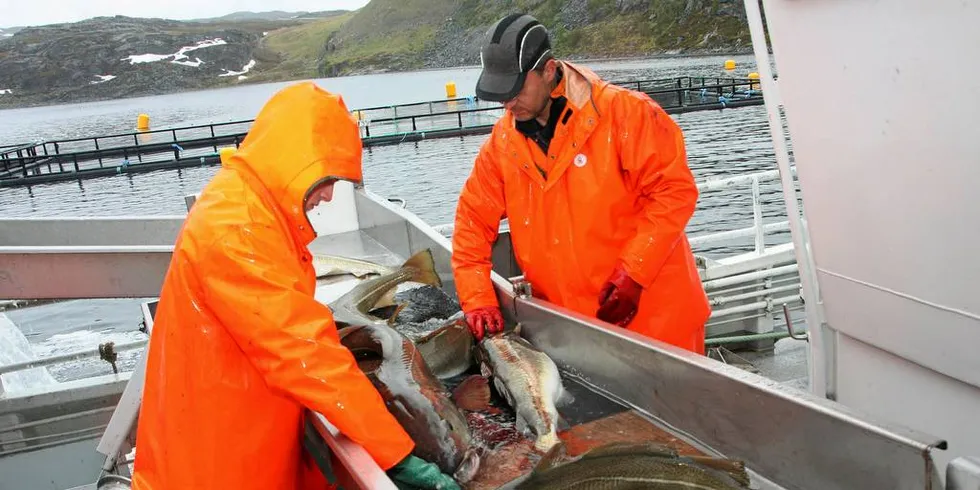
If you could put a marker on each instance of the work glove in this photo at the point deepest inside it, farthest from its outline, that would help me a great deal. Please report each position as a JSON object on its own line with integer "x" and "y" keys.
{"x": 619, "y": 298}
{"x": 416, "y": 473}
{"x": 486, "y": 320}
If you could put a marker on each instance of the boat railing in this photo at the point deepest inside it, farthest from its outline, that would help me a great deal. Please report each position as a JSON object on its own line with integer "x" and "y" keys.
{"x": 106, "y": 351}
{"x": 758, "y": 230}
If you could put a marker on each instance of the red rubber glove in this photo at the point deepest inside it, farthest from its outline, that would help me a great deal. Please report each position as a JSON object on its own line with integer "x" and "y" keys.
{"x": 619, "y": 298}
{"x": 486, "y": 320}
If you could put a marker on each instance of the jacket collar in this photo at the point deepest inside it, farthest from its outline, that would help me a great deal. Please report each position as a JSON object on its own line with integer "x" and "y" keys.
{"x": 581, "y": 87}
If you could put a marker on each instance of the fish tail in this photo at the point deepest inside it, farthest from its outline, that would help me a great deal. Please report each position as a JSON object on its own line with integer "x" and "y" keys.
{"x": 733, "y": 468}
{"x": 424, "y": 268}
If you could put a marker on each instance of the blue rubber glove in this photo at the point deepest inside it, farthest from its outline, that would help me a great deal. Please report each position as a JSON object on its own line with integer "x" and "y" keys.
{"x": 416, "y": 473}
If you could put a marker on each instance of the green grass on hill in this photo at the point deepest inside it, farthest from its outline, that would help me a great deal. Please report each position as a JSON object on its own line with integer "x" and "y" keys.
{"x": 400, "y": 49}
{"x": 298, "y": 49}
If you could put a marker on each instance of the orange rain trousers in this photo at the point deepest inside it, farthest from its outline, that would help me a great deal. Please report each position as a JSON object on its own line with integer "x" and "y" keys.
{"x": 618, "y": 191}
{"x": 239, "y": 345}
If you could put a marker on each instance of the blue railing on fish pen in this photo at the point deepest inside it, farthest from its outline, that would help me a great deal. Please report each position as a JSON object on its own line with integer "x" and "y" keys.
{"x": 189, "y": 146}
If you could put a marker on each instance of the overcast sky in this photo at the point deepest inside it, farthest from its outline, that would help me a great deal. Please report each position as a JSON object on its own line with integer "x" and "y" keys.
{"x": 37, "y": 12}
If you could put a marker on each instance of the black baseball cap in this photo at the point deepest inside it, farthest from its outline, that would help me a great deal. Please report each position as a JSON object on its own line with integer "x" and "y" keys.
{"x": 514, "y": 46}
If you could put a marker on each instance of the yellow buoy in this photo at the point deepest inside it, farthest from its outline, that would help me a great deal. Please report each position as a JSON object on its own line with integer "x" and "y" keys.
{"x": 226, "y": 153}
{"x": 143, "y": 122}
{"x": 451, "y": 90}
{"x": 729, "y": 64}
{"x": 753, "y": 76}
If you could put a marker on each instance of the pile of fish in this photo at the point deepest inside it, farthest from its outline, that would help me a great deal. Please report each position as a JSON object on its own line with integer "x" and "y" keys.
{"x": 412, "y": 342}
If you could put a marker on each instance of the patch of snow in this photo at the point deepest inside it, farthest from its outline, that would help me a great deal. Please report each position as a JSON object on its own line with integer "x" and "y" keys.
{"x": 11, "y": 35}
{"x": 263, "y": 34}
{"x": 194, "y": 64}
{"x": 145, "y": 58}
{"x": 245, "y": 69}
{"x": 102, "y": 79}
{"x": 179, "y": 57}
{"x": 242, "y": 77}
{"x": 6, "y": 91}
{"x": 207, "y": 43}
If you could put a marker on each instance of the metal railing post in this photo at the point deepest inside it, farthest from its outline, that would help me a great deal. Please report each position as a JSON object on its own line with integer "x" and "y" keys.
{"x": 760, "y": 236}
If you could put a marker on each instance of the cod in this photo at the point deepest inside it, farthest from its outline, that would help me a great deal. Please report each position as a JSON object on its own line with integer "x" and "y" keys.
{"x": 354, "y": 307}
{"x": 529, "y": 380}
{"x": 419, "y": 400}
{"x": 623, "y": 466}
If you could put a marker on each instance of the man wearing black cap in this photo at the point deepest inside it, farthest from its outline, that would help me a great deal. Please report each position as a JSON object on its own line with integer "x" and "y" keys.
{"x": 594, "y": 180}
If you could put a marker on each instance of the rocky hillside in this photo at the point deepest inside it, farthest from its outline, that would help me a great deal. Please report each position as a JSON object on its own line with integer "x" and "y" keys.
{"x": 113, "y": 57}
{"x": 8, "y": 31}
{"x": 409, "y": 34}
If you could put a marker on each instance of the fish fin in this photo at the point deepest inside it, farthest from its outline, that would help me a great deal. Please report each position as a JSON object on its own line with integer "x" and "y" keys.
{"x": 386, "y": 299}
{"x": 431, "y": 335}
{"x": 425, "y": 267}
{"x": 472, "y": 394}
{"x": 552, "y": 458}
{"x": 734, "y": 468}
{"x": 631, "y": 448}
{"x": 394, "y": 316}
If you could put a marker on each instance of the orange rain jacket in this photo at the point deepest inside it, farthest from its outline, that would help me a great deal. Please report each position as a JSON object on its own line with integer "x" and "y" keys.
{"x": 239, "y": 345}
{"x": 618, "y": 190}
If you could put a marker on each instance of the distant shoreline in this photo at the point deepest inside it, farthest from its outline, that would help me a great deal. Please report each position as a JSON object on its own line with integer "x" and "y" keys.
{"x": 34, "y": 101}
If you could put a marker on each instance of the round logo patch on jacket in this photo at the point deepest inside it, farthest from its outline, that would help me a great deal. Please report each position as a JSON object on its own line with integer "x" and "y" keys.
{"x": 580, "y": 160}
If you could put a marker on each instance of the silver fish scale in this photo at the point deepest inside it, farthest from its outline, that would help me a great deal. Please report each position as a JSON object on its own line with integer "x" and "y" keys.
{"x": 529, "y": 380}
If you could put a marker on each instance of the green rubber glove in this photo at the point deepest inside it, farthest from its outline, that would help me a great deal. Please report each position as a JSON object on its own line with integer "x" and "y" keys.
{"x": 416, "y": 473}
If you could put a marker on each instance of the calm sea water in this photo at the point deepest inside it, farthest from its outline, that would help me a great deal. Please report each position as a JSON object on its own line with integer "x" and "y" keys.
{"x": 427, "y": 174}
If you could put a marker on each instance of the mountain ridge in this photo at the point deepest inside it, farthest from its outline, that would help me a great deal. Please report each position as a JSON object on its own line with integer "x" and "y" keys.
{"x": 114, "y": 57}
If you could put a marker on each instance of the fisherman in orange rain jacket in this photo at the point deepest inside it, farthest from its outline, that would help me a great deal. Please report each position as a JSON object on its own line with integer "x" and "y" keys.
{"x": 594, "y": 180}
{"x": 240, "y": 346}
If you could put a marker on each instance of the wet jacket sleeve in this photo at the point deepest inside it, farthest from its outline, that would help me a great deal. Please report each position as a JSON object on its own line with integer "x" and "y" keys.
{"x": 654, "y": 161}
{"x": 292, "y": 340}
{"x": 478, "y": 215}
